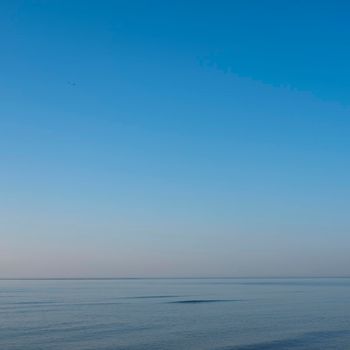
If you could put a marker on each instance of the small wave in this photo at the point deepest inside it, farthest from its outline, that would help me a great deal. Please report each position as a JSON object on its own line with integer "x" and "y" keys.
{"x": 153, "y": 297}
{"x": 34, "y": 302}
{"x": 202, "y": 301}
{"x": 312, "y": 340}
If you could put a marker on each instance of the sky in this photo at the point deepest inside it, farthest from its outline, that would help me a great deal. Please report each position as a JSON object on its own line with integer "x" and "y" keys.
{"x": 174, "y": 138}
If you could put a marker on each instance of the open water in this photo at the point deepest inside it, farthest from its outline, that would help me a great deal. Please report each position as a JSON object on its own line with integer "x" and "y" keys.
{"x": 176, "y": 314}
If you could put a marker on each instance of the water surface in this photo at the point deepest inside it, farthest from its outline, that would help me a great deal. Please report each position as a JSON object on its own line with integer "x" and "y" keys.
{"x": 140, "y": 314}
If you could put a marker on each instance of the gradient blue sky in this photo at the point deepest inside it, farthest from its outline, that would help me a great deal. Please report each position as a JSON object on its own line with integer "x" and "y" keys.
{"x": 183, "y": 138}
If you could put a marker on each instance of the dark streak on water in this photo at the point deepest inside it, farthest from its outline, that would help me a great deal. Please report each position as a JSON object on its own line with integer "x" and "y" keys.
{"x": 202, "y": 301}
{"x": 153, "y": 297}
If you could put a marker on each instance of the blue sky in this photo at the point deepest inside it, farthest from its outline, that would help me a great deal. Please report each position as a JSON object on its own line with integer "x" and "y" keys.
{"x": 197, "y": 138}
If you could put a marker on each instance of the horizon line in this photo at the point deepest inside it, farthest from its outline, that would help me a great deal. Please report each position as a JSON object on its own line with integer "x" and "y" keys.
{"x": 164, "y": 278}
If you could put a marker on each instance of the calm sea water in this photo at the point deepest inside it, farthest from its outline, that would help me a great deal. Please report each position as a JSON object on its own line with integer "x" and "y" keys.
{"x": 237, "y": 314}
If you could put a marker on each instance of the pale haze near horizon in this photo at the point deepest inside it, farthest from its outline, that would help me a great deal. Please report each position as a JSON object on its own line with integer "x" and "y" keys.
{"x": 148, "y": 140}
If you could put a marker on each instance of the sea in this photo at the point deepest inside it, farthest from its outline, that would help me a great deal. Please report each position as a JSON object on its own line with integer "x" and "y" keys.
{"x": 176, "y": 314}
